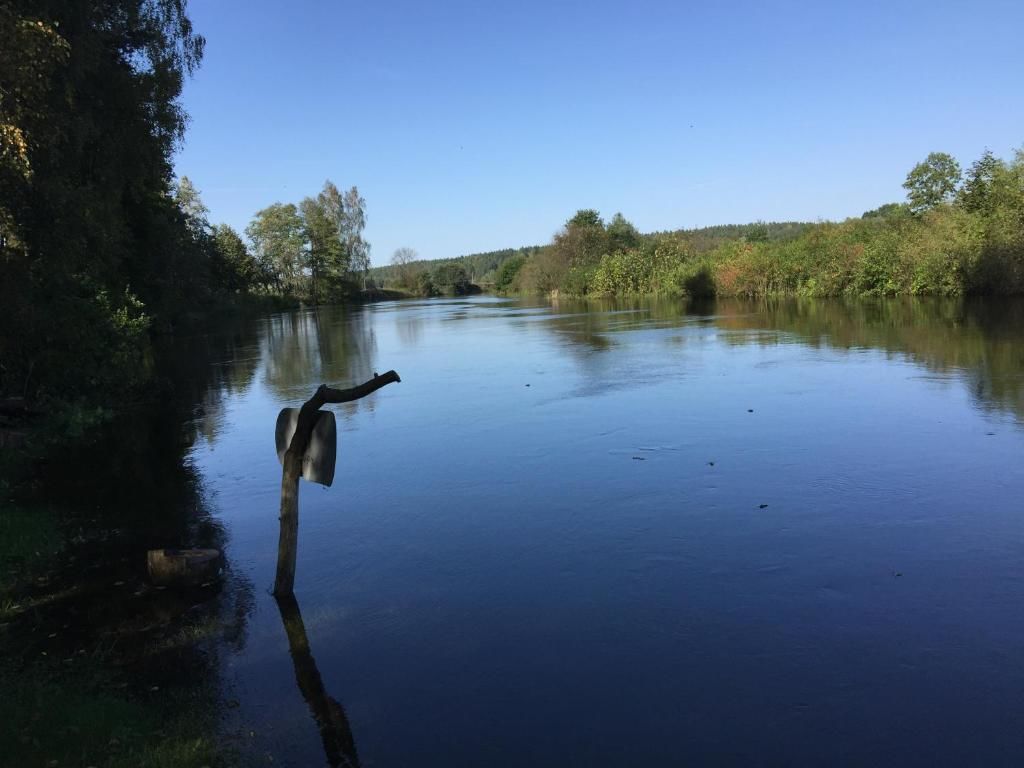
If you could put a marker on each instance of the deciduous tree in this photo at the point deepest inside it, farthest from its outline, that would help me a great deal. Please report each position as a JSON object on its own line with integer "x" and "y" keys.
{"x": 353, "y": 224}
{"x": 403, "y": 260}
{"x": 932, "y": 182}
{"x": 278, "y": 237}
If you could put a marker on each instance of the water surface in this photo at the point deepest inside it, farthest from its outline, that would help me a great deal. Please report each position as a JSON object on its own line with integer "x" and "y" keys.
{"x": 636, "y": 534}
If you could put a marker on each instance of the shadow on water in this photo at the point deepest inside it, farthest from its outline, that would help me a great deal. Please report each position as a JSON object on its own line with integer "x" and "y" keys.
{"x": 90, "y": 626}
{"x": 335, "y": 731}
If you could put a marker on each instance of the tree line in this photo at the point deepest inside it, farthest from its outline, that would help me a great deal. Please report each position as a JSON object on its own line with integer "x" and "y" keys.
{"x": 416, "y": 277}
{"x": 314, "y": 251}
{"x": 481, "y": 268}
{"x": 956, "y": 233}
{"x": 100, "y": 246}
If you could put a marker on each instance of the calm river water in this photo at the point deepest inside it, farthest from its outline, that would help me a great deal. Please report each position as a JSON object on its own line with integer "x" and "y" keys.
{"x": 634, "y": 534}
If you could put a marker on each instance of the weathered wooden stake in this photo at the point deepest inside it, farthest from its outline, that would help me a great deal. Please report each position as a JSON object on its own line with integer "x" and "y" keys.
{"x": 292, "y": 470}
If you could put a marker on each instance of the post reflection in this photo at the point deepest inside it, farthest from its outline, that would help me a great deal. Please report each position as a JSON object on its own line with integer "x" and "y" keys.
{"x": 335, "y": 732}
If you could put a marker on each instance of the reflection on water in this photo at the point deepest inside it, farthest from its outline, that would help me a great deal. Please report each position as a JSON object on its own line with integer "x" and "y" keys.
{"x": 640, "y": 532}
{"x": 981, "y": 339}
{"x": 318, "y": 345}
{"x": 335, "y": 732}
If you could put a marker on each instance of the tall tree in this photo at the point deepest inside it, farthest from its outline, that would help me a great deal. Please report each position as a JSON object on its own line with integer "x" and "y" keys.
{"x": 336, "y": 257}
{"x": 89, "y": 118}
{"x": 622, "y": 235}
{"x": 353, "y": 224}
{"x": 403, "y": 260}
{"x": 192, "y": 207}
{"x": 277, "y": 234}
{"x": 583, "y": 241}
{"x": 932, "y": 182}
{"x": 32, "y": 49}
{"x": 234, "y": 267}
{"x": 977, "y": 193}
{"x": 319, "y": 232}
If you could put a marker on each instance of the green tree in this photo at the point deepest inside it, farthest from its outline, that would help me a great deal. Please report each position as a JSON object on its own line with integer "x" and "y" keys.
{"x": 581, "y": 243}
{"x": 425, "y": 284}
{"x": 337, "y": 263}
{"x": 757, "y": 233}
{"x": 451, "y": 279}
{"x": 234, "y": 267}
{"x": 277, "y": 234}
{"x": 353, "y": 222}
{"x": 932, "y": 182}
{"x": 325, "y": 254}
{"x": 191, "y": 205}
{"x": 978, "y": 191}
{"x": 507, "y": 273}
{"x": 32, "y": 50}
{"x": 89, "y": 119}
{"x": 622, "y": 235}
{"x": 585, "y": 217}
{"x": 888, "y": 210}
{"x": 404, "y": 260}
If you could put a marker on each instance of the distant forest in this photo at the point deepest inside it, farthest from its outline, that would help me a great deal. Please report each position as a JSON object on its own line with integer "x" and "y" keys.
{"x": 957, "y": 233}
{"x": 484, "y": 269}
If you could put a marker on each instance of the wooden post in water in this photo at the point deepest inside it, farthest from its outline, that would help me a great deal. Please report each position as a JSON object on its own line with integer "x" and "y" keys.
{"x": 292, "y": 471}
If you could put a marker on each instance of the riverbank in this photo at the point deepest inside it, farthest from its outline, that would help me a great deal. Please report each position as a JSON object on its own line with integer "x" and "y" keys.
{"x": 945, "y": 252}
{"x": 99, "y": 666}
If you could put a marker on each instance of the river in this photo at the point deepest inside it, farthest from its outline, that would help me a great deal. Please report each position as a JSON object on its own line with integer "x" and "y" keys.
{"x": 782, "y": 533}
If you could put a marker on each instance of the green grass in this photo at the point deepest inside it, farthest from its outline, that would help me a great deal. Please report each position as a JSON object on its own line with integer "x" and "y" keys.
{"x": 83, "y": 715}
{"x": 75, "y": 719}
{"x": 27, "y": 536}
{"x": 29, "y": 540}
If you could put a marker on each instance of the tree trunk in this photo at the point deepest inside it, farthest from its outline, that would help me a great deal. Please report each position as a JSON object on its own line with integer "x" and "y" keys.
{"x": 288, "y": 541}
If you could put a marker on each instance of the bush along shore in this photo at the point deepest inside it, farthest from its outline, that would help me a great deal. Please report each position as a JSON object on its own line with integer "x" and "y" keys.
{"x": 956, "y": 234}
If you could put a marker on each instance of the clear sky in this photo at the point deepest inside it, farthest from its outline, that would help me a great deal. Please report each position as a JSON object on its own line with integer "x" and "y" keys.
{"x": 471, "y": 126}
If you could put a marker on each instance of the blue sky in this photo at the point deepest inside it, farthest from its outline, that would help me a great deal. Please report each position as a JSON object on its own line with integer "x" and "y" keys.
{"x": 471, "y": 126}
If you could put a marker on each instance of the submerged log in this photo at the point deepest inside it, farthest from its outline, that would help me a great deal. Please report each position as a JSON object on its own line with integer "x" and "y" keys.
{"x": 183, "y": 567}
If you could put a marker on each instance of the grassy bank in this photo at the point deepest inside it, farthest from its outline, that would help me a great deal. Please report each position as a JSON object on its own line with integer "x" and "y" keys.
{"x": 93, "y": 658}
{"x": 97, "y": 666}
{"x": 91, "y": 654}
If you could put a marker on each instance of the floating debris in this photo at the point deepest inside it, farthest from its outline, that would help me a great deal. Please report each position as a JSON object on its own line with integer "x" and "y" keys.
{"x": 762, "y": 506}
{"x": 639, "y": 458}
